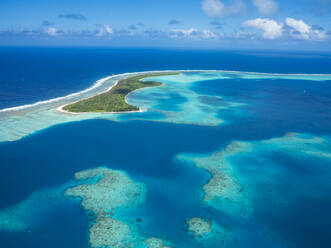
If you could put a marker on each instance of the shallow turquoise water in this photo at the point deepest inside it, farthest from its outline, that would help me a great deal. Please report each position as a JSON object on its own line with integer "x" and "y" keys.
{"x": 267, "y": 137}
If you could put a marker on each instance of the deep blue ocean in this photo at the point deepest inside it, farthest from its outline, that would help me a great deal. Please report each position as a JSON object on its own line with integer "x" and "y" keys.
{"x": 146, "y": 149}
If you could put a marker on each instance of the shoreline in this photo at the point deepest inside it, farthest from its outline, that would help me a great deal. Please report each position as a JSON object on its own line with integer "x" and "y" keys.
{"x": 140, "y": 110}
{"x": 101, "y": 81}
{"x": 61, "y": 110}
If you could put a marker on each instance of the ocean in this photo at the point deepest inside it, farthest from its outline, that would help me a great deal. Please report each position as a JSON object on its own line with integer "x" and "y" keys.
{"x": 249, "y": 153}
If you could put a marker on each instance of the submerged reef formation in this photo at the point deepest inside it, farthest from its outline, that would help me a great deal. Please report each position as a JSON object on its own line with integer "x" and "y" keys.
{"x": 103, "y": 191}
{"x": 208, "y": 232}
{"x": 300, "y": 144}
{"x": 198, "y": 226}
{"x": 108, "y": 232}
{"x": 230, "y": 192}
{"x": 155, "y": 243}
{"x": 177, "y": 102}
{"x": 242, "y": 173}
{"x": 112, "y": 190}
{"x": 114, "y": 99}
{"x": 223, "y": 191}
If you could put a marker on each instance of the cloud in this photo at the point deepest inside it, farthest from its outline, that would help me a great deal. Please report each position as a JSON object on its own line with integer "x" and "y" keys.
{"x": 192, "y": 33}
{"x": 217, "y": 24}
{"x": 105, "y": 31}
{"x": 292, "y": 29}
{"x": 174, "y": 22}
{"x": 271, "y": 29}
{"x": 298, "y": 25}
{"x": 266, "y": 7}
{"x": 52, "y": 31}
{"x": 217, "y": 9}
{"x": 298, "y": 29}
{"x": 73, "y": 16}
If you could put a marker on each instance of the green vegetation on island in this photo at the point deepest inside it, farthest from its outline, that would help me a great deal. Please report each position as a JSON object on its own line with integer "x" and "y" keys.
{"x": 114, "y": 99}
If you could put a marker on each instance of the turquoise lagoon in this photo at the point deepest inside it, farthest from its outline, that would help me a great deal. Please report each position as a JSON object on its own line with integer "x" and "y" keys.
{"x": 249, "y": 154}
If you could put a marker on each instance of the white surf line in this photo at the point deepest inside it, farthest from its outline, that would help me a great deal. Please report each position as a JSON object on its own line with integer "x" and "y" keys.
{"x": 101, "y": 81}
{"x": 97, "y": 84}
{"x": 60, "y": 109}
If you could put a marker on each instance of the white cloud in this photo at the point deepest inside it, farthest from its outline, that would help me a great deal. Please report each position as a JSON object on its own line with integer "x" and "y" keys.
{"x": 192, "y": 33}
{"x": 298, "y": 25}
{"x": 105, "y": 30}
{"x": 292, "y": 28}
{"x": 266, "y": 7}
{"x": 298, "y": 29}
{"x": 271, "y": 29}
{"x": 51, "y": 31}
{"x": 216, "y": 8}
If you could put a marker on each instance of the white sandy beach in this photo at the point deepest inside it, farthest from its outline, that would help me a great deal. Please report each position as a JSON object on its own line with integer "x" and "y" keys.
{"x": 61, "y": 110}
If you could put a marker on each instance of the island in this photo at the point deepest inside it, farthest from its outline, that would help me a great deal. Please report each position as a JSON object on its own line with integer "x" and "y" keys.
{"x": 113, "y": 100}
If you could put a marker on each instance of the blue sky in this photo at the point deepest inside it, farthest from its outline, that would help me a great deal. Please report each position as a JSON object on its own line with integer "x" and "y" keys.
{"x": 214, "y": 24}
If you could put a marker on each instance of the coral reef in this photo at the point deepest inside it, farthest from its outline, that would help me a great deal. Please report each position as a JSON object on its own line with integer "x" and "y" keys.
{"x": 112, "y": 190}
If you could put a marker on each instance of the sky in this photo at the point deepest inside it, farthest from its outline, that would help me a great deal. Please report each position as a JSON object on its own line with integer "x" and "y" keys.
{"x": 206, "y": 24}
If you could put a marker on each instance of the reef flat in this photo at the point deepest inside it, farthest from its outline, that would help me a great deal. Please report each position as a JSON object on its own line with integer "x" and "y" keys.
{"x": 198, "y": 226}
{"x": 113, "y": 189}
{"x": 223, "y": 190}
{"x": 299, "y": 144}
{"x": 155, "y": 243}
{"x": 178, "y": 103}
{"x": 208, "y": 232}
{"x": 103, "y": 191}
{"x": 114, "y": 99}
{"x": 231, "y": 193}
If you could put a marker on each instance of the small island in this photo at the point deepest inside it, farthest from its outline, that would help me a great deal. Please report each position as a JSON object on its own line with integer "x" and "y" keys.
{"x": 113, "y": 100}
